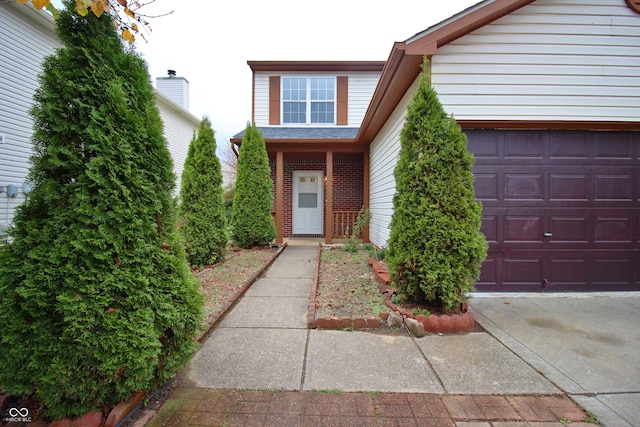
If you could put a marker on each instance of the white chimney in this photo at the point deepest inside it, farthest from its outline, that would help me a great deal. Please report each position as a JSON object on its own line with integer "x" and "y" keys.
{"x": 175, "y": 88}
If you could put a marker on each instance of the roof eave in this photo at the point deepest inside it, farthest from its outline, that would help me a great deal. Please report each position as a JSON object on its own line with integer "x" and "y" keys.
{"x": 428, "y": 41}
{"x": 302, "y": 140}
{"x": 403, "y": 65}
{"x": 315, "y": 66}
{"x": 398, "y": 74}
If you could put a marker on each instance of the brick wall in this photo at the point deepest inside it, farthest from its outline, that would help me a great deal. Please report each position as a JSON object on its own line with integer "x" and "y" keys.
{"x": 347, "y": 186}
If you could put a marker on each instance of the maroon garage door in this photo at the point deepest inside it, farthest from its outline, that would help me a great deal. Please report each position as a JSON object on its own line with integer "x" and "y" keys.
{"x": 561, "y": 209}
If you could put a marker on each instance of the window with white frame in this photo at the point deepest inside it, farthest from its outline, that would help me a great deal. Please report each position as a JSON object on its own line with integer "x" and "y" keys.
{"x": 308, "y": 100}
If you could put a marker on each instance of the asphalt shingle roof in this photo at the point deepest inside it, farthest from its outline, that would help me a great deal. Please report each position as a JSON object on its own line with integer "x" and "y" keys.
{"x": 305, "y": 133}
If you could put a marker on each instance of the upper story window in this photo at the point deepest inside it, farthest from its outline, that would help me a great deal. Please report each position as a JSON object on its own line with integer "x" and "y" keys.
{"x": 308, "y": 100}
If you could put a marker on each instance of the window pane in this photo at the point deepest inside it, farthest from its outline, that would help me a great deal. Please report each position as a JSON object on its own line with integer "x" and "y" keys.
{"x": 294, "y": 112}
{"x": 294, "y": 88}
{"x": 321, "y": 91}
{"x": 322, "y": 88}
{"x": 322, "y": 112}
{"x": 307, "y": 200}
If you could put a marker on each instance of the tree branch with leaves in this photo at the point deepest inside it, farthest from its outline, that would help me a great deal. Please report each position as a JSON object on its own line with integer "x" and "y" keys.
{"x": 127, "y": 18}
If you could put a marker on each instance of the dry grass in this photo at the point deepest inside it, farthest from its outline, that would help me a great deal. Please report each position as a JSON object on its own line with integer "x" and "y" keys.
{"x": 347, "y": 286}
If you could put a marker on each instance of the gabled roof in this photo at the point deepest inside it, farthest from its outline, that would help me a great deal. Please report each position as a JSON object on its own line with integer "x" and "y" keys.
{"x": 403, "y": 65}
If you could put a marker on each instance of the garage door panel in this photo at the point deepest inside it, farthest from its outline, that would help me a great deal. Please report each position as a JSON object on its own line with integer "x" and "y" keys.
{"x": 523, "y": 229}
{"x": 561, "y": 209}
{"x": 613, "y": 187}
{"x": 570, "y": 145}
{"x": 525, "y": 270}
{"x": 486, "y": 186}
{"x": 490, "y": 228}
{"x": 523, "y": 186}
{"x": 613, "y": 228}
{"x": 521, "y": 144}
{"x": 489, "y": 272}
{"x": 568, "y": 228}
{"x": 612, "y": 271}
{"x": 616, "y": 145}
{"x": 485, "y": 145}
{"x": 567, "y": 273}
{"x": 566, "y": 186}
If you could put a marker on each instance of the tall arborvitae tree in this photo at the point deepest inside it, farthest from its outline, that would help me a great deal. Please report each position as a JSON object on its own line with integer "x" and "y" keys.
{"x": 435, "y": 247}
{"x": 96, "y": 297}
{"x": 251, "y": 221}
{"x": 204, "y": 229}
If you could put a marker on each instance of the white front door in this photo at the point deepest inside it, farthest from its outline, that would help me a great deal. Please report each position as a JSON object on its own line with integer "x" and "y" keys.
{"x": 307, "y": 202}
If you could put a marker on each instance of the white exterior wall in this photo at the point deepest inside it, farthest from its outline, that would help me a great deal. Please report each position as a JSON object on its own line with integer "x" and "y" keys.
{"x": 27, "y": 37}
{"x": 384, "y": 151}
{"x": 551, "y": 60}
{"x": 361, "y": 88}
{"x": 261, "y": 99}
{"x": 179, "y": 128}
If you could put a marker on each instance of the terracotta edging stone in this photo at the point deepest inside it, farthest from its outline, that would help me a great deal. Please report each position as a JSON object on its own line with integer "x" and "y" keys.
{"x": 434, "y": 323}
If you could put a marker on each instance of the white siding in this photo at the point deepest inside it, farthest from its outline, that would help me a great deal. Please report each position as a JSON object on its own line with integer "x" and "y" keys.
{"x": 179, "y": 128}
{"x": 27, "y": 37}
{"x": 550, "y": 60}
{"x": 361, "y": 88}
{"x": 384, "y": 151}
{"x": 261, "y": 99}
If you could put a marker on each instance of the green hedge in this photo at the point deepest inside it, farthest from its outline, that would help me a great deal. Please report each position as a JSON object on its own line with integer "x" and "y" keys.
{"x": 204, "y": 229}
{"x": 251, "y": 221}
{"x": 96, "y": 297}
{"x": 435, "y": 245}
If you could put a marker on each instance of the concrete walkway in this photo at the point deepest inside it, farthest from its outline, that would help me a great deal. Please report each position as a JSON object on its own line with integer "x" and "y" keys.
{"x": 263, "y": 345}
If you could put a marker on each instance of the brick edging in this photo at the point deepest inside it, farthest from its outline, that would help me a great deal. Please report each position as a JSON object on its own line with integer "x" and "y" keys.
{"x": 434, "y": 323}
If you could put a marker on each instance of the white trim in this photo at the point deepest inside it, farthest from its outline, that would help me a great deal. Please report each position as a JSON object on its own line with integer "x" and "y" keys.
{"x": 308, "y": 100}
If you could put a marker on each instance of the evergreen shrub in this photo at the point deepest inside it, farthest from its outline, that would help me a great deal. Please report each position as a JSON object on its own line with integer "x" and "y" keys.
{"x": 435, "y": 248}
{"x": 204, "y": 222}
{"x": 96, "y": 297}
{"x": 251, "y": 222}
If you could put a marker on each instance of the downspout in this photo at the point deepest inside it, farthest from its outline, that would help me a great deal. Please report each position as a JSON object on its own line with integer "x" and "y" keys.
{"x": 233, "y": 148}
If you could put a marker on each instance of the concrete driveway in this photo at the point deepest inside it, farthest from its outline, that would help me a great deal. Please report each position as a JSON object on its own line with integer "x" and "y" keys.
{"x": 588, "y": 345}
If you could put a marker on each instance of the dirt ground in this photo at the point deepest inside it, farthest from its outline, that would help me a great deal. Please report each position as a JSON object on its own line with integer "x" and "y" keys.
{"x": 347, "y": 286}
